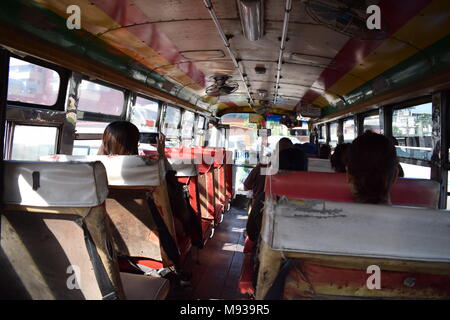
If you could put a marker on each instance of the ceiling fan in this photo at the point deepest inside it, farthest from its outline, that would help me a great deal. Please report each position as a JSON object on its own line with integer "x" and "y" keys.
{"x": 348, "y": 17}
{"x": 222, "y": 86}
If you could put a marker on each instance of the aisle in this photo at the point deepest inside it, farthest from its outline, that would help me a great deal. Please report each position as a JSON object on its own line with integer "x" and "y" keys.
{"x": 216, "y": 274}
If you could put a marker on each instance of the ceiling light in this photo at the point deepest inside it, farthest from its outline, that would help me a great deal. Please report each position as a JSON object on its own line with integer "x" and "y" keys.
{"x": 252, "y": 18}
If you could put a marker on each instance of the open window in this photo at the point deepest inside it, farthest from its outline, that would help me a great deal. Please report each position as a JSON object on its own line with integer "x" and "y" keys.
{"x": 334, "y": 134}
{"x": 187, "y": 128}
{"x": 349, "y": 130}
{"x": 144, "y": 114}
{"x": 170, "y": 126}
{"x": 30, "y": 142}
{"x": 412, "y": 132}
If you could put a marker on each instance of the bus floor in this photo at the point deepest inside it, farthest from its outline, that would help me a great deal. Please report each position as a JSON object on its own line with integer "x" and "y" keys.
{"x": 217, "y": 267}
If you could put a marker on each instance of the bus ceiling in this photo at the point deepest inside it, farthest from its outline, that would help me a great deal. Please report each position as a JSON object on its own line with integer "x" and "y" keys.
{"x": 297, "y": 58}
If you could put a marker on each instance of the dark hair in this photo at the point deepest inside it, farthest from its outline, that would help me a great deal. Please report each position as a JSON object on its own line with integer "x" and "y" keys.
{"x": 284, "y": 143}
{"x": 339, "y": 157}
{"x": 293, "y": 159}
{"x": 121, "y": 138}
{"x": 372, "y": 167}
{"x": 324, "y": 151}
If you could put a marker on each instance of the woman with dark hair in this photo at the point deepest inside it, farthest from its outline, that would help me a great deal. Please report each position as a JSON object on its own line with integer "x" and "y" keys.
{"x": 339, "y": 158}
{"x": 372, "y": 168}
{"x": 120, "y": 138}
{"x": 324, "y": 151}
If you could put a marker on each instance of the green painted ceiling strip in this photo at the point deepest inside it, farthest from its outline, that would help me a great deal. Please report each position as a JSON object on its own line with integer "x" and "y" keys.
{"x": 433, "y": 60}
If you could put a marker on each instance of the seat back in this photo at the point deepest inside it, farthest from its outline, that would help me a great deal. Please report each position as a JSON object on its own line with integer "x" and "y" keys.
{"x": 319, "y": 165}
{"x": 55, "y": 241}
{"x": 334, "y": 187}
{"x": 138, "y": 206}
{"x": 333, "y": 244}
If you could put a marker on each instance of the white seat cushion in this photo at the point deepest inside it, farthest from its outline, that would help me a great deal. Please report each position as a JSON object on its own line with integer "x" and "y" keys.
{"x": 47, "y": 184}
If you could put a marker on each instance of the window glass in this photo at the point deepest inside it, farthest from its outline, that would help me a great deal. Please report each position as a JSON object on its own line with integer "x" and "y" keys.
{"x": 200, "y": 132}
{"x": 415, "y": 171}
{"x": 200, "y": 122}
{"x": 170, "y": 124}
{"x": 322, "y": 134}
{"x": 144, "y": 114}
{"x": 98, "y": 98}
{"x": 333, "y": 134}
{"x": 31, "y": 83}
{"x": 372, "y": 123}
{"x": 412, "y": 128}
{"x": 90, "y": 127}
{"x": 349, "y": 130}
{"x": 86, "y": 147}
{"x": 32, "y": 142}
{"x": 187, "y": 124}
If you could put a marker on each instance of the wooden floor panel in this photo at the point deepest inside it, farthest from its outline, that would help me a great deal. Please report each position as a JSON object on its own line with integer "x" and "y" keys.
{"x": 216, "y": 273}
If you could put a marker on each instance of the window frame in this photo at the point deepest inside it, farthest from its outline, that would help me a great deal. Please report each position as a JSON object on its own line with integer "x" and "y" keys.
{"x": 101, "y": 117}
{"x": 10, "y": 129}
{"x": 163, "y": 117}
{"x": 64, "y": 76}
{"x": 133, "y": 98}
{"x": 405, "y": 105}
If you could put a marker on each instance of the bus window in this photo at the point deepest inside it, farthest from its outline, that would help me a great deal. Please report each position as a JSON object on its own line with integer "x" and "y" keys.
{"x": 243, "y": 134}
{"x": 32, "y": 142}
{"x": 30, "y": 83}
{"x": 323, "y": 134}
{"x": 412, "y": 128}
{"x": 372, "y": 123}
{"x": 88, "y": 146}
{"x": 144, "y": 114}
{"x": 97, "y": 98}
{"x": 187, "y": 128}
{"x": 333, "y": 134}
{"x": 349, "y": 130}
{"x": 199, "y": 131}
{"x": 170, "y": 125}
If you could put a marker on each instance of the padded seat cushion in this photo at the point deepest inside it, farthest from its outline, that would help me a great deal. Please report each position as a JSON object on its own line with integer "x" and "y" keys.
{"x": 140, "y": 287}
{"x": 334, "y": 187}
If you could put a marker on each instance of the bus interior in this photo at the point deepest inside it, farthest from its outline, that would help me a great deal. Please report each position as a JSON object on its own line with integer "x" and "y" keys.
{"x": 213, "y": 86}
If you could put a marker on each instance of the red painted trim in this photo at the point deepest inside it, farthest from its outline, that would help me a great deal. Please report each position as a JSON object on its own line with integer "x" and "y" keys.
{"x": 127, "y": 13}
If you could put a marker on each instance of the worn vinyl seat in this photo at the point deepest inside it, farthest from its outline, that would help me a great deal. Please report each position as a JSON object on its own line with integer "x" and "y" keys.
{"x": 334, "y": 187}
{"x": 138, "y": 206}
{"x": 55, "y": 238}
{"x": 329, "y": 247}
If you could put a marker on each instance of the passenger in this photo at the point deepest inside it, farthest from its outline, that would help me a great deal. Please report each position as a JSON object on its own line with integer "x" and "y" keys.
{"x": 372, "y": 168}
{"x": 324, "y": 151}
{"x": 290, "y": 159}
{"x": 255, "y": 180}
{"x": 120, "y": 138}
{"x": 339, "y": 158}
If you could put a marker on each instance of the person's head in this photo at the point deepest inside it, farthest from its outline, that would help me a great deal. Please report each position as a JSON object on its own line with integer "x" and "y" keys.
{"x": 120, "y": 138}
{"x": 284, "y": 143}
{"x": 324, "y": 151}
{"x": 372, "y": 166}
{"x": 339, "y": 157}
{"x": 293, "y": 159}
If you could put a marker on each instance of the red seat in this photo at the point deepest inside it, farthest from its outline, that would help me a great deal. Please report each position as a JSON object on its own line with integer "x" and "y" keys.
{"x": 334, "y": 187}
